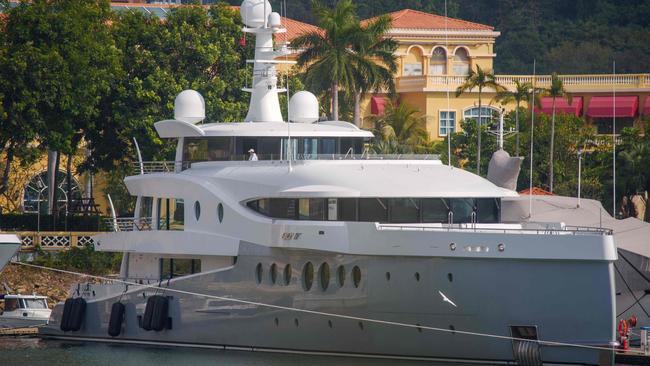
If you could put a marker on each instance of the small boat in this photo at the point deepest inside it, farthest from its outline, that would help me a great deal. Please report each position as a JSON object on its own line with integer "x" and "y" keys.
{"x": 23, "y": 311}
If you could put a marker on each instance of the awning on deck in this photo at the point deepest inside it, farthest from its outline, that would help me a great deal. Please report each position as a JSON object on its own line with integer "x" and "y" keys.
{"x": 562, "y": 106}
{"x": 609, "y": 106}
{"x": 377, "y": 105}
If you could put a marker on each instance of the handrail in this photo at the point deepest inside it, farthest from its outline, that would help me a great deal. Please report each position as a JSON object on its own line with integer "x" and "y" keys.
{"x": 567, "y": 230}
{"x": 130, "y": 224}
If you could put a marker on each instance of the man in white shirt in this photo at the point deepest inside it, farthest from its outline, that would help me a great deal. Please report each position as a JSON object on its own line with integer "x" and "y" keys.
{"x": 251, "y": 155}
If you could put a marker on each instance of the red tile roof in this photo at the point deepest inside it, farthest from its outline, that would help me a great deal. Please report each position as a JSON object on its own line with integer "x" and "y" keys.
{"x": 414, "y": 19}
{"x": 537, "y": 192}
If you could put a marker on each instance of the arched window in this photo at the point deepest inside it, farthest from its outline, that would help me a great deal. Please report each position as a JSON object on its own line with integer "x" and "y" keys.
{"x": 413, "y": 62}
{"x": 488, "y": 114}
{"x": 36, "y": 192}
{"x": 438, "y": 65}
{"x": 461, "y": 62}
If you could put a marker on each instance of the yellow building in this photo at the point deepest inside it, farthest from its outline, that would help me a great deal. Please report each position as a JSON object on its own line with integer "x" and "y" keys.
{"x": 436, "y": 53}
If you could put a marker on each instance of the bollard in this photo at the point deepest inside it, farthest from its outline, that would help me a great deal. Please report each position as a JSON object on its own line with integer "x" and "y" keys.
{"x": 645, "y": 342}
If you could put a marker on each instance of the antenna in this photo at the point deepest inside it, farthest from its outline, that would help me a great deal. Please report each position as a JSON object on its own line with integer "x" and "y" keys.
{"x": 447, "y": 87}
{"x": 532, "y": 135}
{"x": 286, "y": 57}
{"x": 614, "y": 141}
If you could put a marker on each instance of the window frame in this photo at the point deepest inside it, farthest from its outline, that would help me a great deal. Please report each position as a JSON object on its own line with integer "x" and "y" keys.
{"x": 450, "y": 129}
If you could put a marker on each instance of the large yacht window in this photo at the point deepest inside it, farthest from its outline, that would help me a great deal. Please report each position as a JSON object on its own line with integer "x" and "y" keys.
{"x": 171, "y": 214}
{"x": 207, "y": 148}
{"x": 176, "y": 267}
{"x": 146, "y": 207}
{"x": 393, "y": 210}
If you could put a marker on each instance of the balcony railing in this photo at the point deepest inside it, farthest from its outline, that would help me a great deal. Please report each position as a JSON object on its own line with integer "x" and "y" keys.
{"x": 129, "y": 224}
{"x": 588, "y": 82}
{"x": 49, "y": 240}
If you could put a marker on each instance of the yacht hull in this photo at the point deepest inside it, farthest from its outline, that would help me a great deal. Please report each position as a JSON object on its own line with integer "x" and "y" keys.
{"x": 566, "y": 301}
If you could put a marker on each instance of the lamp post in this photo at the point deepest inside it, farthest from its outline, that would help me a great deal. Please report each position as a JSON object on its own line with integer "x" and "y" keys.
{"x": 579, "y": 173}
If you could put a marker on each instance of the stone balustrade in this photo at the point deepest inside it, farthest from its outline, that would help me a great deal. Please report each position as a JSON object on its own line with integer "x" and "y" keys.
{"x": 54, "y": 241}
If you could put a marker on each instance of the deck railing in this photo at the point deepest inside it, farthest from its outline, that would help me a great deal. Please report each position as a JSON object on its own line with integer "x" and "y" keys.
{"x": 49, "y": 240}
{"x": 543, "y": 229}
{"x": 129, "y": 224}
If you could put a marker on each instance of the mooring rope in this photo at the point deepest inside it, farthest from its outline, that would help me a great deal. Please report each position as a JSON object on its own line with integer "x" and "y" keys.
{"x": 332, "y": 315}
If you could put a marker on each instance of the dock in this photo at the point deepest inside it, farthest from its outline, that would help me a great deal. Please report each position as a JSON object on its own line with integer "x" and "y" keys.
{"x": 19, "y": 332}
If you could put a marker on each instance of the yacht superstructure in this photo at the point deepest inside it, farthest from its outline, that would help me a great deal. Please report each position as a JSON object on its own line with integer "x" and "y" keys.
{"x": 323, "y": 240}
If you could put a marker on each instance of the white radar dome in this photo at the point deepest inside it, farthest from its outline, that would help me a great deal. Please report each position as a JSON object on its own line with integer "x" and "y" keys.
{"x": 303, "y": 107}
{"x": 189, "y": 106}
{"x": 274, "y": 20}
{"x": 254, "y": 12}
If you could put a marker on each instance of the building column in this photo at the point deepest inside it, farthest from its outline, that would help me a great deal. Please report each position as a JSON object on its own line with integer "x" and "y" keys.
{"x": 425, "y": 68}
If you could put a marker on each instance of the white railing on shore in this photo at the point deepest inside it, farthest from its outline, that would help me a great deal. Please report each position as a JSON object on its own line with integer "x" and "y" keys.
{"x": 129, "y": 224}
{"x": 54, "y": 240}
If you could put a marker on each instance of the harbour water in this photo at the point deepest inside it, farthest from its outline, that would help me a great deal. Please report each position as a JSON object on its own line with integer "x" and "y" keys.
{"x": 37, "y": 352}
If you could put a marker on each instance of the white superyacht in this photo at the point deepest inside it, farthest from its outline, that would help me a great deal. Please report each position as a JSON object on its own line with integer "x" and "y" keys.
{"x": 326, "y": 243}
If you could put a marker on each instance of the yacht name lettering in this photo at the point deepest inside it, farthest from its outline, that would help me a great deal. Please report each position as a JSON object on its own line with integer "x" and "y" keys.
{"x": 291, "y": 236}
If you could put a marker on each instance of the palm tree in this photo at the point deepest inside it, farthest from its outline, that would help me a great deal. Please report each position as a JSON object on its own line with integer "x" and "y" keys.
{"x": 556, "y": 90}
{"x": 401, "y": 123}
{"x": 327, "y": 53}
{"x": 480, "y": 79}
{"x": 521, "y": 93}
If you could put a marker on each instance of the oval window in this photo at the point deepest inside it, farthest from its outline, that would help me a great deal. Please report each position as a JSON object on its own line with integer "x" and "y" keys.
{"x": 259, "y": 273}
{"x": 197, "y": 210}
{"x": 273, "y": 271}
{"x": 308, "y": 276}
{"x": 324, "y": 274}
{"x": 340, "y": 275}
{"x": 287, "y": 274}
{"x": 356, "y": 276}
{"x": 220, "y": 212}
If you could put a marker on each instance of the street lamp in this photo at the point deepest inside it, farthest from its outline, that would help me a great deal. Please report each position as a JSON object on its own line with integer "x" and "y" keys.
{"x": 579, "y": 173}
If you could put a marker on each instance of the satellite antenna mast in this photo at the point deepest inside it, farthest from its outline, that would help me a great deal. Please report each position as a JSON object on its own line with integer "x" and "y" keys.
{"x": 289, "y": 146}
{"x": 447, "y": 87}
{"x": 532, "y": 135}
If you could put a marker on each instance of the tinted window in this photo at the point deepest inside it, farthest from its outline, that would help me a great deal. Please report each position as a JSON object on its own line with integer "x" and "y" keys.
{"x": 311, "y": 208}
{"x": 404, "y": 210}
{"x": 347, "y": 209}
{"x": 488, "y": 210}
{"x": 283, "y": 208}
{"x": 434, "y": 210}
{"x": 352, "y": 145}
{"x": 373, "y": 209}
{"x": 207, "y": 148}
{"x": 327, "y": 146}
{"x": 462, "y": 208}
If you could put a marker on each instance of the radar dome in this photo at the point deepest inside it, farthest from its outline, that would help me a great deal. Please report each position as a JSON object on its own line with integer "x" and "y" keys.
{"x": 189, "y": 106}
{"x": 253, "y": 12}
{"x": 303, "y": 107}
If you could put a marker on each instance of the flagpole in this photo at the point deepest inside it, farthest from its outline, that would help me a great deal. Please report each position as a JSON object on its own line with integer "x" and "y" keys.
{"x": 532, "y": 135}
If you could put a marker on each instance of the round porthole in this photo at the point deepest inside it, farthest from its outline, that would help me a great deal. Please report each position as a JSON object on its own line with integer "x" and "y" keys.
{"x": 197, "y": 210}
{"x": 307, "y": 276}
{"x": 387, "y": 276}
{"x": 340, "y": 275}
{"x": 417, "y": 276}
{"x": 356, "y": 276}
{"x": 324, "y": 274}
{"x": 273, "y": 271}
{"x": 220, "y": 212}
{"x": 287, "y": 274}
{"x": 259, "y": 273}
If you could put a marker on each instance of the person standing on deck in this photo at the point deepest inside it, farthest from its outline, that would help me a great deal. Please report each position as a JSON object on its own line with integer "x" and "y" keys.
{"x": 251, "y": 155}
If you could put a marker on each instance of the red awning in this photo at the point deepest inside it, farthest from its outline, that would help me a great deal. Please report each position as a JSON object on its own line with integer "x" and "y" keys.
{"x": 646, "y": 107}
{"x": 377, "y": 105}
{"x": 562, "y": 106}
{"x": 626, "y": 106}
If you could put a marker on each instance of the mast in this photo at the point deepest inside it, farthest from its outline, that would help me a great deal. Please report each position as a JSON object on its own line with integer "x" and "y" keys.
{"x": 259, "y": 20}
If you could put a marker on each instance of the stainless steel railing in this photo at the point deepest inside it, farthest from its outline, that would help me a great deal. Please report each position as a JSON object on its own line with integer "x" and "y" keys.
{"x": 129, "y": 224}
{"x": 473, "y": 227}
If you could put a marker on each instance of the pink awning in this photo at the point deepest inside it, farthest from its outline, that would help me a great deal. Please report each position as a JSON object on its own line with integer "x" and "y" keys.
{"x": 377, "y": 105}
{"x": 646, "y": 107}
{"x": 603, "y": 106}
{"x": 562, "y": 106}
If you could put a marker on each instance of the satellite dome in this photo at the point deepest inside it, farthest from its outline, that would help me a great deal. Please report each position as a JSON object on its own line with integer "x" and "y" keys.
{"x": 189, "y": 106}
{"x": 253, "y": 12}
{"x": 275, "y": 21}
{"x": 303, "y": 107}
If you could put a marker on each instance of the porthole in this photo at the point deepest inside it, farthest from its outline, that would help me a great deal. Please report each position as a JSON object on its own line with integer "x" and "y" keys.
{"x": 276, "y": 321}
{"x": 324, "y": 274}
{"x": 340, "y": 275}
{"x": 387, "y": 276}
{"x": 197, "y": 210}
{"x": 295, "y": 321}
{"x": 307, "y": 276}
{"x": 356, "y": 276}
{"x": 259, "y": 273}
{"x": 273, "y": 271}
{"x": 417, "y": 276}
{"x": 220, "y": 212}
{"x": 450, "y": 277}
{"x": 329, "y": 323}
{"x": 287, "y": 274}
{"x": 361, "y": 325}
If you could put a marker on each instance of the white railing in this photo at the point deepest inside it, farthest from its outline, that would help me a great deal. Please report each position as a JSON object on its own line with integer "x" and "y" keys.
{"x": 469, "y": 227}
{"x": 54, "y": 240}
{"x": 129, "y": 224}
{"x": 150, "y": 167}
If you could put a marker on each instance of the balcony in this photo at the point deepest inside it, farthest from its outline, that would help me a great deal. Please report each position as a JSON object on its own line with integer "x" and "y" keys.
{"x": 597, "y": 83}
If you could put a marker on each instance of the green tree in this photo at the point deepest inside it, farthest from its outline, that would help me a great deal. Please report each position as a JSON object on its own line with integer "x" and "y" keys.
{"x": 556, "y": 90}
{"x": 375, "y": 62}
{"x": 328, "y": 55}
{"x": 479, "y": 79}
{"x": 402, "y": 124}
{"x": 521, "y": 93}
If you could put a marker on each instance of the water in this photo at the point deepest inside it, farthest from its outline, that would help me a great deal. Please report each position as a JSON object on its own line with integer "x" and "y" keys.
{"x": 37, "y": 352}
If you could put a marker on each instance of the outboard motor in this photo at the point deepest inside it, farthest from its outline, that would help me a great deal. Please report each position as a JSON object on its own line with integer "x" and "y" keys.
{"x": 504, "y": 169}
